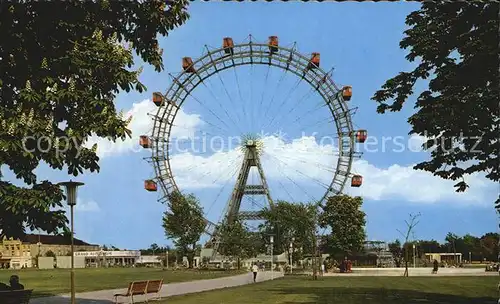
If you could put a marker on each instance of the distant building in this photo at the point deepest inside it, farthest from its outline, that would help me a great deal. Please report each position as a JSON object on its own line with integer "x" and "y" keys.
{"x": 23, "y": 253}
{"x": 444, "y": 257}
{"x": 150, "y": 260}
{"x": 40, "y": 244}
{"x": 15, "y": 254}
{"x": 103, "y": 258}
{"x": 380, "y": 251}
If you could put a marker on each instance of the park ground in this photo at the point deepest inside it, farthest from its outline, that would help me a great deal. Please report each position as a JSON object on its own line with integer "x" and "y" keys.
{"x": 57, "y": 281}
{"x": 354, "y": 290}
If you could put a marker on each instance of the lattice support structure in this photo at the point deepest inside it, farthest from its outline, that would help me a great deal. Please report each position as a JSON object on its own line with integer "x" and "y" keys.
{"x": 241, "y": 188}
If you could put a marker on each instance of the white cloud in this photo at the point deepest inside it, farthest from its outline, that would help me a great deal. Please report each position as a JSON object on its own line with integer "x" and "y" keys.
{"x": 306, "y": 162}
{"x": 87, "y": 206}
{"x": 142, "y": 124}
{"x": 302, "y": 160}
{"x": 403, "y": 182}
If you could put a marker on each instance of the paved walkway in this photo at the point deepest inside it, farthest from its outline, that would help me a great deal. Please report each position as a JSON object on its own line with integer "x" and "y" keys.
{"x": 416, "y": 272}
{"x": 106, "y": 296}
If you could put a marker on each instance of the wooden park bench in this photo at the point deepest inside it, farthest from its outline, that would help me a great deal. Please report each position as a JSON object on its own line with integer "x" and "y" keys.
{"x": 141, "y": 288}
{"x": 15, "y": 296}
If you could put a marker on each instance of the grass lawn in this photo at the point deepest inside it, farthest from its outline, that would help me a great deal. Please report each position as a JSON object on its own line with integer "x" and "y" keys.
{"x": 354, "y": 290}
{"x": 57, "y": 281}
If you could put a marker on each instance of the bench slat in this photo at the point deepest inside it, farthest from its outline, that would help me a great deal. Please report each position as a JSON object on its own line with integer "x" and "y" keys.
{"x": 139, "y": 288}
{"x": 154, "y": 286}
{"x": 16, "y": 296}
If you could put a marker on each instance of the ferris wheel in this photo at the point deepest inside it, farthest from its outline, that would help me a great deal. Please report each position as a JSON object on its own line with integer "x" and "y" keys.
{"x": 251, "y": 170}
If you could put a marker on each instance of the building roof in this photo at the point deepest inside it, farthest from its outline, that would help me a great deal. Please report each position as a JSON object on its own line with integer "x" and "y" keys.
{"x": 53, "y": 240}
{"x": 443, "y": 253}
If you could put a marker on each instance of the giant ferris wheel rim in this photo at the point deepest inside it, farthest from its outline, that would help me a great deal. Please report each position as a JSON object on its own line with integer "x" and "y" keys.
{"x": 217, "y": 60}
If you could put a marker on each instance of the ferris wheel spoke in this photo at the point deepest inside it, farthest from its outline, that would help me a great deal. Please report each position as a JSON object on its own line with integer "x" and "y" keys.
{"x": 226, "y": 106}
{"x": 259, "y": 109}
{"x": 269, "y": 104}
{"x": 209, "y": 172}
{"x": 188, "y": 128}
{"x": 317, "y": 164}
{"x": 223, "y": 173}
{"x": 214, "y": 114}
{"x": 289, "y": 94}
{"x": 312, "y": 152}
{"x": 251, "y": 100}
{"x": 324, "y": 121}
{"x": 230, "y": 98}
{"x": 292, "y": 181}
{"x": 301, "y": 173}
{"x": 304, "y": 98}
{"x": 240, "y": 95}
{"x": 308, "y": 113}
{"x": 284, "y": 189}
{"x": 221, "y": 190}
{"x": 220, "y": 105}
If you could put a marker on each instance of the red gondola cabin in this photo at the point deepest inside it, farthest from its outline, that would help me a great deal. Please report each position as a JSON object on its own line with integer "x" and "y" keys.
{"x": 157, "y": 99}
{"x": 273, "y": 44}
{"x": 347, "y": 93}
{"x": 314, "y": 62}
{"x": 361, "y": 136}
{"x": 356, "y": 181}
{"x": 144, "y": 141}
{"x": 187, "y": 65}
{"x": 228, "y": 45}
{"x": 150, "y": 185}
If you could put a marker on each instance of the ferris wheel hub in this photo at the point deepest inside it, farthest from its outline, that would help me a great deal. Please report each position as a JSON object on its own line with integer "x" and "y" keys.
{"x": 252, "y": 142}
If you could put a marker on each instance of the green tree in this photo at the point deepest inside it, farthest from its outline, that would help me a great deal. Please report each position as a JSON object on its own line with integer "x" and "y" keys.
{"x": 184, "y": 223}
{"x": 489, "y": 246}
{"x": 397, "y": 252}
{"x": 431, "y": 246}
{"x": 154, "y": 248}
{"x": 255, "y": 244}
{"x": 342, "y": 214}
{"x": 62, "y": 64}
{"x": 290, "y": 223}
{"x": 235, "y": 239}
{"x": 407, "y": 245}
{"x": 456, "y": 43}
{"x": 451, "y": 241}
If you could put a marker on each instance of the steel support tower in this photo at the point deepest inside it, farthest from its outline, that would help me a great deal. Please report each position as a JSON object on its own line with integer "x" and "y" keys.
{"x": 242, "y": 188}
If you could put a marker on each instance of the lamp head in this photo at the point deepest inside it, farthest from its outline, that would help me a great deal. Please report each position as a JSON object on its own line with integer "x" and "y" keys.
{"x": 71, "y": 191}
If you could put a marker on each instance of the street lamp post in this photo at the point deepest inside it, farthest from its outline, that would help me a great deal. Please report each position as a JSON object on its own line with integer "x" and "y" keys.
{"x": 271, "y": 239}
{"x": 167, "y": 258}
{"x": 291, "y": 255}
{"x": 470, "y": 257}
{"x": 318, "y": 253}
{"x": 414, "y": 256}
{"x": 71, "y": 191}
{"x": 315, "y": 257}
{"x": 38, "y": 254}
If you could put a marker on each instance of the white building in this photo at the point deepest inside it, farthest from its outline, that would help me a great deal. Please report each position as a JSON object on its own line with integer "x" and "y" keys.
{"x": 151, "y": 260}
{"x": 109, "y": 258}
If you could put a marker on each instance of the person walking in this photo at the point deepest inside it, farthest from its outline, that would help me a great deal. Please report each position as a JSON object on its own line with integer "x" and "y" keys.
{"x": 435, "y": 267}
{"x": 255, "y": 268}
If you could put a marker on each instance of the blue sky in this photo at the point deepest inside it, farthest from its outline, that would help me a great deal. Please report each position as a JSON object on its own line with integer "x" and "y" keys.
{"x": 361, "y": 42}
